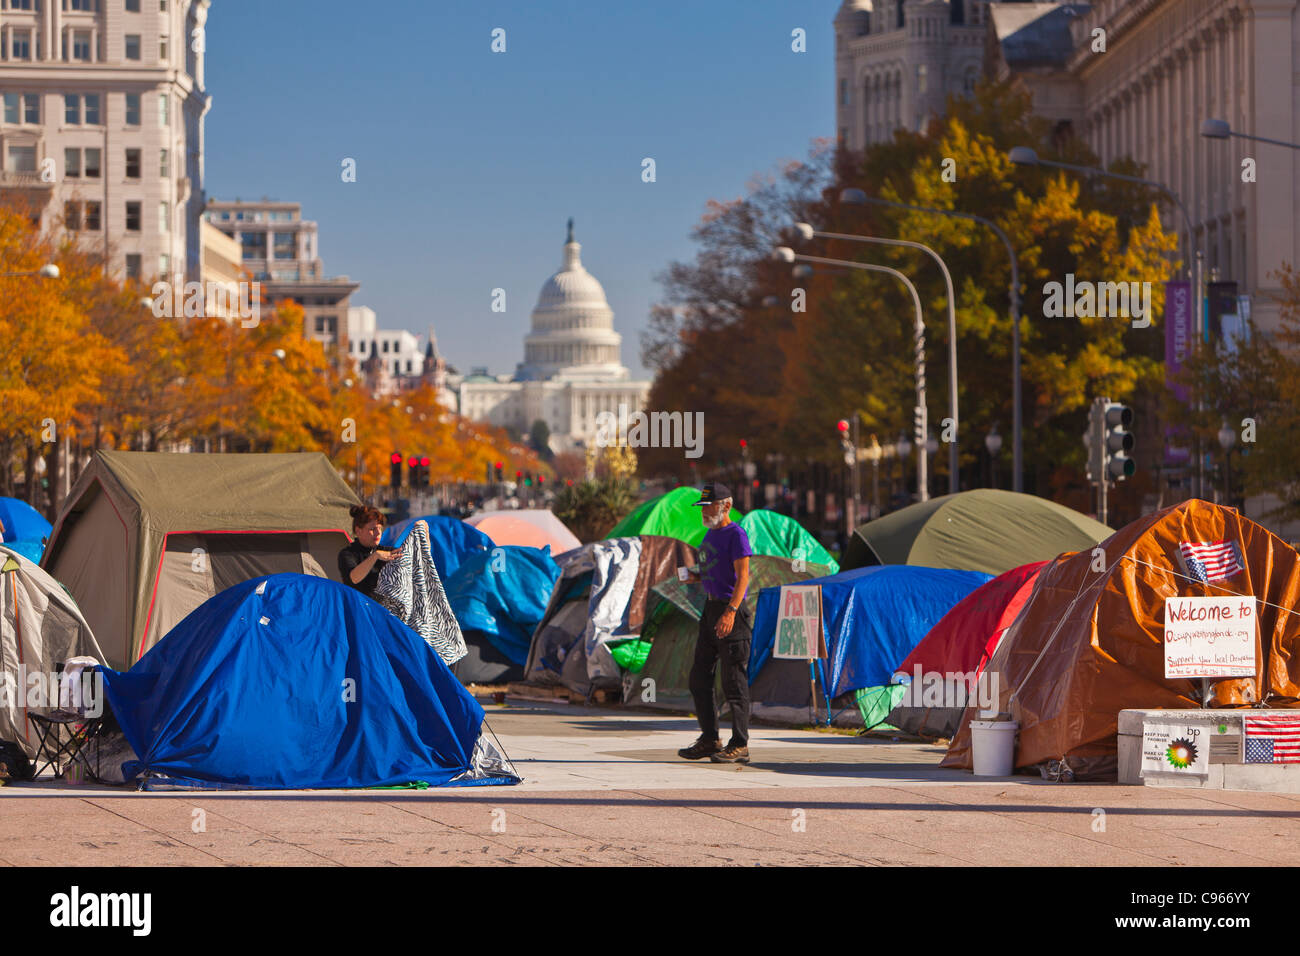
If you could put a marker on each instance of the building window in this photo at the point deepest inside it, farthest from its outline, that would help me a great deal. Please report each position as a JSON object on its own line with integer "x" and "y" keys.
{"x": 133, "y": 164}
{"x": 71, "y": 217}
{"x": 844, "y": 92}
{"x": 21, "y": 45}
{"x": 163, "y": 112}
{"x": 72, "y": 109}
{"x": 921, "y": 79}
{"x": 133, "y": 46}
{"x": 164, "y": 217}
{"x": 133, "y": 265}
{"x": 164, "y": 164}
{"x": 92, "y": 162}
{"x": 284, "y": 245}
{"x": 87, "y": 6}
{"x": 133, "y": 109}
{"x": 81, "y": 45}
{"x": 132, "y": 6}
{"x": 164, "y": 264}
{"x": 133, "y": 216}
{"x": 254, "y": 244}
{"x": 31, "y": 108}
{"x": 899, "y": 24}
{"x": 957, "y": 12}
{"x": 72, "y": 163}
{"x": 92, "y": 216}
{"x": 92, "y": 109}
{"x": 969, "y": 80}
{"x": 162, "y": 48}
{"x": 20, "y": 4}
{"x": 21, "y": 159}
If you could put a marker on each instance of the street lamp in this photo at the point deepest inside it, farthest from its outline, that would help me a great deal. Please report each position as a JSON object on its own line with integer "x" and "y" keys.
{"x": 1024, "y": 156}
{"x": 47, "y": 271}
{"x": 853, "y": 196}
{"x": 1219, "y": 129}
{"x": 1227, "y": 438}
{"x": 808, "y": 232}
{"x": 786, "y": 254}
{"x": 993, "y": 442}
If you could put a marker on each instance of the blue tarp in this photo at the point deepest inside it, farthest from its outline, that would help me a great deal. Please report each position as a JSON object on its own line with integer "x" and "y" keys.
{"x": 307, "y": 685}
{"x": 25, "y": 528}
{"x": 503, "y": 594}
{"x": 871, "y": 619}
{"x": 450, "y": 541}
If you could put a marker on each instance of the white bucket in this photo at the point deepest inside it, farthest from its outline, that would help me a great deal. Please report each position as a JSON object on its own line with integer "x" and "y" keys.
{"x": 993, "y": 747}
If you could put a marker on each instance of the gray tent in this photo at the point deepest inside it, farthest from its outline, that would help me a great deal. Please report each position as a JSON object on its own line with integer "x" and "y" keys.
{"x": 146, "y": 537}
{"x": 40, "y": 628}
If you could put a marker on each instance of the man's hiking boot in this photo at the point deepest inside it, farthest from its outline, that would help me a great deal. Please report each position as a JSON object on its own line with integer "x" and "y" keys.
{"x": 701, "y": 748}
{"x": 731, "y": 754}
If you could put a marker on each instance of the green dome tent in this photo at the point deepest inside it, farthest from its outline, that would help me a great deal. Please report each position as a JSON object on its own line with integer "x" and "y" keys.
{"x": 673, "y": 514}
{"x": 981, "y": 530}
{"x": 779, "y": 535}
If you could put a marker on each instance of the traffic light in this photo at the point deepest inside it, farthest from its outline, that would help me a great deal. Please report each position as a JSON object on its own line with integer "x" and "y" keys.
{"x": 528, "y": 479}
{"x": 846, "y": 443}
{"x": 413, "y": 471}
{"x": 395, "y": 470}
{"x": 424, "y": 471}
{"x": 499, "y": 476}
{"x": 1118, "y": 441}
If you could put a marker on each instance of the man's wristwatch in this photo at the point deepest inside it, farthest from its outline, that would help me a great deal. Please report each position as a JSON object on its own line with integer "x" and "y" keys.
{"x": 733, "y": 610}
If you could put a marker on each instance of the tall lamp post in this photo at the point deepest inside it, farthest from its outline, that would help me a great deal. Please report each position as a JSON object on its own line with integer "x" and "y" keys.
{"x": 993, "y": 442}
{"x": 1024, "y": 156}
{"x": 853, "y": 196}
{"x": 47, "y": 271}
{"x": 921, "y": 417}
{"x": 808, "y": 232}
{"x": 1219, "y": 129}
{"x": 1227, "y": 438}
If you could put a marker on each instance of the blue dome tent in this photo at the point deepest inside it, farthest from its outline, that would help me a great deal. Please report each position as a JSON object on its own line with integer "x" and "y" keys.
{"x": 871, "y": 618}
{"x": 25, "y": 528}
{"x": 297, "y": 682}
{"x": 499, "y": 597}
{"x": 451, "y": 541}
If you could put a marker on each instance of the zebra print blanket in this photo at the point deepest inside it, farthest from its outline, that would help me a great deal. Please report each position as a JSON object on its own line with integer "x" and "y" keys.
{"x": 410, "y": 589}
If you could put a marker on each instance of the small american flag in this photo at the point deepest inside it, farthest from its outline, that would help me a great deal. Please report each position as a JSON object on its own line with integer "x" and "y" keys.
{"x": 1273, "y": 739}
{"x": 1211, "y": 561}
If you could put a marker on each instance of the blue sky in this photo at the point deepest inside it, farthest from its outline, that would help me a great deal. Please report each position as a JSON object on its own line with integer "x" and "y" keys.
{"x": 470, "y": 162}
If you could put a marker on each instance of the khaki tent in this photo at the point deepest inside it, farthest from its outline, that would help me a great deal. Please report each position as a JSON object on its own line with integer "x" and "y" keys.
{"x": 146, "y": 537}
{"x": 40, "y": 628}
{"x": 1090, "y": 643}
{"x": 981, "y": 530}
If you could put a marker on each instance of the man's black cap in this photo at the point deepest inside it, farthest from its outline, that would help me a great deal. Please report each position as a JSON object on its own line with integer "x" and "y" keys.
{"x": 713, "y": 492}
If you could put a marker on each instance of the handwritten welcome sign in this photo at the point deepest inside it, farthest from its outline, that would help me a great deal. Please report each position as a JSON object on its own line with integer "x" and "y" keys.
{"x": 799, "y": 623}
{"x": 1210, "y": 636}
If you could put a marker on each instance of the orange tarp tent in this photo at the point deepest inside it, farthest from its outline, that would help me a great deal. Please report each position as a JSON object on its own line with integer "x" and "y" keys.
{"x": 1090, "y": 640}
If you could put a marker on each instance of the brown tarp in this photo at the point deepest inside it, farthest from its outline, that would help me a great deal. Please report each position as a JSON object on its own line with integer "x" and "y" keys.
{"x": 1089, "y": 643}
{"x": 661, "y": 556}
{"x": 144, "y": 535}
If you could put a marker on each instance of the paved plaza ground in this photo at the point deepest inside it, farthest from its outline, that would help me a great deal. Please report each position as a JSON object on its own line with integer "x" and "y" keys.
{"x": 605, "y": 786}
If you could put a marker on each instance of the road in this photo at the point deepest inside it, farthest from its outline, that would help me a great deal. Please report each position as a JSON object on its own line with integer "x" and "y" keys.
{"x": 604, "y": 786}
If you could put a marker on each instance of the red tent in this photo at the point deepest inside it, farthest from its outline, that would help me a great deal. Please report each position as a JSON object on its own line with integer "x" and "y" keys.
{"x": 961, "y": 643}
{"x": 965, "y": 637}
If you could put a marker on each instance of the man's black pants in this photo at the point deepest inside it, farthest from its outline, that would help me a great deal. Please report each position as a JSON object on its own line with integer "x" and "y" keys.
{"x": 732, "y": 652}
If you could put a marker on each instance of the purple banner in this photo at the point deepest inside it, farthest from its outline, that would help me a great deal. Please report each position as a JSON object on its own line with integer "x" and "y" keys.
{"x": 1179, "y": 331}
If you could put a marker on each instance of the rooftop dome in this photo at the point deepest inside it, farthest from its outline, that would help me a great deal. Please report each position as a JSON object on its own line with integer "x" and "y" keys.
{"x": 572, "y": 331}
{"x": 573, "y": 285}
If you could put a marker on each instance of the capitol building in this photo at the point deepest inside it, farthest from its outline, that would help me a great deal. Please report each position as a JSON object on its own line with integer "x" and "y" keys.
{"x": 571, "y": 371}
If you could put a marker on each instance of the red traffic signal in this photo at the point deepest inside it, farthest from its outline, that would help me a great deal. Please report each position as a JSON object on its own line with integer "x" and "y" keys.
{"x": 743, "y": 443}
{"x": 842, "y": 425}
{"x": 424, "y": 461}
{"x": 412, "y": 461}
{"x": 395, "y": 458}
{"x": 499, "y": 466}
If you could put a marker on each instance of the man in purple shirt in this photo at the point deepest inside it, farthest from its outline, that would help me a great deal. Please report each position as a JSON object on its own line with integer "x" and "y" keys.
{"x": 725, "y": 631}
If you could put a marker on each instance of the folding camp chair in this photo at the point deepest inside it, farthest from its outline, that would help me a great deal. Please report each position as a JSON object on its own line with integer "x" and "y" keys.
{"x": 65, "y": 737}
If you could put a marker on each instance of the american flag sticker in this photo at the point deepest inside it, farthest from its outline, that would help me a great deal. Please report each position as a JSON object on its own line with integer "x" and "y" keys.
{"x": 1208, "y": 561}
{"x": 1271, "y": 739}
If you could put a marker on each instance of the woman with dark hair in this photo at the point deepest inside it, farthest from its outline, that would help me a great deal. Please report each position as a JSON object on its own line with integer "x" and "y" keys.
{"x": 359, "y": 561}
